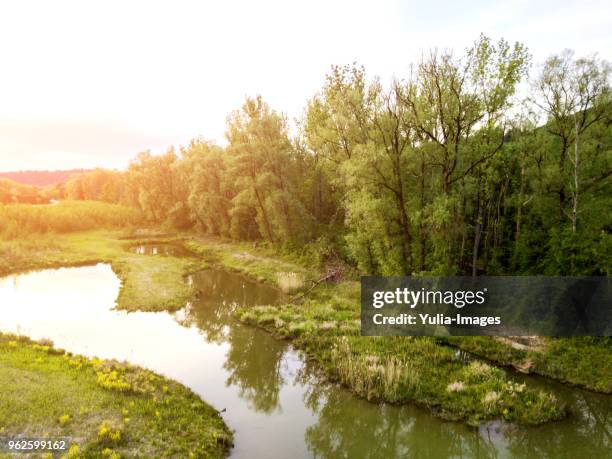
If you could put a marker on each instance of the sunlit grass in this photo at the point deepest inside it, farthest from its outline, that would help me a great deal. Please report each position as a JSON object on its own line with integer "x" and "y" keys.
{"x": 290, "y": 281}
{"x": 106, "y": 407}
{"x": 263, "y": 265}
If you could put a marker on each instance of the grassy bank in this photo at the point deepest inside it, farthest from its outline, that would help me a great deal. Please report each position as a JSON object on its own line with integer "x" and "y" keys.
{"x": 261, "y": 264}
{"x": 582, "y": 361}
{"x": 108, "y": 409}
{"x": 149, "y": 282}
{"x": 396, "y": 370}
{"x": 406, "y": 369}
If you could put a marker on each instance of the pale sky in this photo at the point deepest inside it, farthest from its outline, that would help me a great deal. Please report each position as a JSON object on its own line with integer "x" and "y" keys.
{"x": 92, "y": 83}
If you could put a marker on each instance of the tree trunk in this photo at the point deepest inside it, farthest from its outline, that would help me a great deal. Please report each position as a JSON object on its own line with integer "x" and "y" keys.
{"x": 264, "y": 215}
{"x": 422, "y": 238}
{"x": 477, "y": 234}
{"x": 576, "y": 166}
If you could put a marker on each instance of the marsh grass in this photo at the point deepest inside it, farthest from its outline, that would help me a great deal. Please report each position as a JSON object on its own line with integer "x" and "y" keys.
{"x": 290, "y": 282}
{"x": 579, "y": 361}
{"x": 21, "y": 220}
{"x": 401, "y": 369}
{"x": 108, "y": 408}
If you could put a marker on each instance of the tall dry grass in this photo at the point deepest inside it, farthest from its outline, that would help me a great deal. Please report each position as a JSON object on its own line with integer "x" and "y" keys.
{"x": 22, "y": 220}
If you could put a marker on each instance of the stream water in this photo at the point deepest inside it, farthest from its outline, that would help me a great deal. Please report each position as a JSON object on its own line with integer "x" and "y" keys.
{"x": 275, "y": 402}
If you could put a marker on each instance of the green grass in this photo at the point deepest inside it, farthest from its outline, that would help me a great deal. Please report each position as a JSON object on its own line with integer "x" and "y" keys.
{"x": 149, "y": 282}
{"x": 105, "y": 407}
{"x": 261, "y": 264}
{"x": 579, "y": 361}
{"x": 154, "y": 283}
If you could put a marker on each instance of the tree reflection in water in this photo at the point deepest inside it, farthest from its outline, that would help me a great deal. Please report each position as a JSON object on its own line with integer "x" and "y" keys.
{"x": 345, "y": 426}
{"x": 350, "y": 427}
{"x": 254, "y": 360}
{"x": 255, "y": 366}
{"x": 588, "y": 428}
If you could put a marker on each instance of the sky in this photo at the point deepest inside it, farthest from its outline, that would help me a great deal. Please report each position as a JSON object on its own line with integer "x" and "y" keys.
{"x": 88, "y": 84}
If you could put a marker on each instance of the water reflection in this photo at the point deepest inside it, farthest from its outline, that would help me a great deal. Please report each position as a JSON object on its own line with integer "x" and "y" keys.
{"x": 255, "y": 365}
{"x": 254, "y": 362}
{"x": 588, "y": 427}
{"x": 347, "y": 427}
{"x": 276, "y": 402}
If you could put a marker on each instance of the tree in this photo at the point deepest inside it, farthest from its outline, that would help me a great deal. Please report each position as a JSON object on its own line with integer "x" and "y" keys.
{"x": 262, "y": 165}
{"x": 575, "y": 95}
{"x": 458, "y": 107}
{"x": 210, "y": 191}
{"x": 161, "y": 193}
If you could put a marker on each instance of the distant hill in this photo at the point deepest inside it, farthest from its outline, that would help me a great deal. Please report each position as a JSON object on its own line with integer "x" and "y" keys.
{"x": 41, "y": 178}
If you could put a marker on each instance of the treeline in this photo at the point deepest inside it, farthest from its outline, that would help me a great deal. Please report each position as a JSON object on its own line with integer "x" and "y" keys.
{"x": 36, "y": 187}
{"x": 441, "y": 172}
{"x": 16, "y": 193}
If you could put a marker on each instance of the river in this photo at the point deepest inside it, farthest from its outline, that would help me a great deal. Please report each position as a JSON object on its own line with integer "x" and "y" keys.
{"x": 277, "y": 404}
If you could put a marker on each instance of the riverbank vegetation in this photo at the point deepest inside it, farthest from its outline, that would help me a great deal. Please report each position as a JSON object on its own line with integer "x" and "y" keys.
{"x": 326, "y": 324}
{"x": 584, "y": 361}
{"x": 107, "y": 408}
{"x": 333, "y": 309}
{"x": 395, "y": 370}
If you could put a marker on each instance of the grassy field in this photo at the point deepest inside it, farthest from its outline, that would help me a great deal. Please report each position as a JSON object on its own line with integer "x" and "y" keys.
{"x": 108, "y": 409}
{"x": 18, "y": 221}
{"x": 149, "y": 283}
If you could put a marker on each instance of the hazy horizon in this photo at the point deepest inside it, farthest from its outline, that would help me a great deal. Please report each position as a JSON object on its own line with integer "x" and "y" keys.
{"x": 111, "y": 79}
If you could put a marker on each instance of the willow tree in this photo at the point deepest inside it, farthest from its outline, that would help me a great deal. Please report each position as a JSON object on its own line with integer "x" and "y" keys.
{"x": 357, "y": 128}
{"x": 204, "y": 169}
{"x": 262, "y": 165}
{"x": 161, "y": 193}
